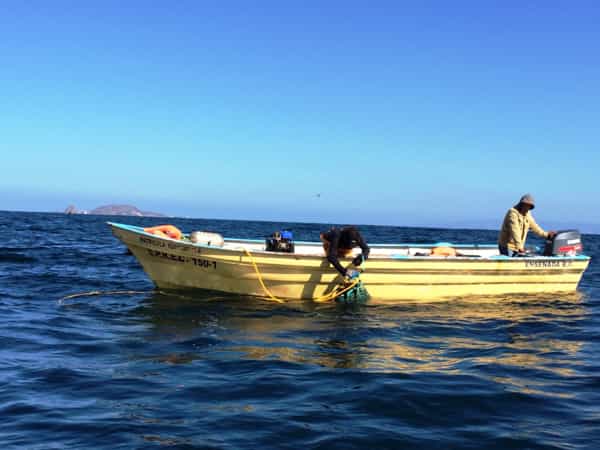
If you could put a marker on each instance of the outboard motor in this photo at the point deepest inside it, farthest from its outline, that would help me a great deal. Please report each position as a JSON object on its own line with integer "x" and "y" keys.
{"x": 565, "y": 243}
{"x": 280, "y": 241}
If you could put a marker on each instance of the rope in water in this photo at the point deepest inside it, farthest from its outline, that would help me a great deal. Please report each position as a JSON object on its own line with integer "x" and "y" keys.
{"x": 92, "y": 293}
{"x": 321, "y": 299}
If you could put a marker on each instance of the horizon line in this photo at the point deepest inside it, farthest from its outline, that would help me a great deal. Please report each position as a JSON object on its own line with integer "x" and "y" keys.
{"x": 284, "y": 221}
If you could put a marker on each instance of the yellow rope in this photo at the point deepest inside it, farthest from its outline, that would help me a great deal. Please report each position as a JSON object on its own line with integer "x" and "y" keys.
{"x": 260, "y": 279}
{"x": 335, "y": 294}
{"x": 321, "y": 299}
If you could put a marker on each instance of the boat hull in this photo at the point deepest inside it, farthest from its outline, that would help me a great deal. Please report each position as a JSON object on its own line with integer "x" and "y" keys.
{"x": 182, "y": 265}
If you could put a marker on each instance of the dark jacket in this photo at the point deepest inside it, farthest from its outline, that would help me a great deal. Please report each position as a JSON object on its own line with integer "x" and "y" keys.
{"x": 344, "y": 238}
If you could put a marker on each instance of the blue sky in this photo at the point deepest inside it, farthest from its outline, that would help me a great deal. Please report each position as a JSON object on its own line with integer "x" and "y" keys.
{"x": 421, "y": 113}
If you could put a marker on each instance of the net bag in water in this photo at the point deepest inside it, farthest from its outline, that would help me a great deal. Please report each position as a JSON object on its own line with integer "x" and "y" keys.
{"x": 356, "y": 295}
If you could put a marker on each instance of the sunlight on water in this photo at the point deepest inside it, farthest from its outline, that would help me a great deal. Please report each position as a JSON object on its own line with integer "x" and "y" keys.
{"x": 157, "y": 369}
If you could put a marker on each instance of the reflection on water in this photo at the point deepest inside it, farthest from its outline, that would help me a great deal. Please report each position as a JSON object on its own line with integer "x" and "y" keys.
{"x": 511, "y": 341}
{"x": 220, "y": 371}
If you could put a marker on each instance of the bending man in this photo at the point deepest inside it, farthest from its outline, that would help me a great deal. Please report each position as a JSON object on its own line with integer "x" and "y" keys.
{"x": 338, "y": 243}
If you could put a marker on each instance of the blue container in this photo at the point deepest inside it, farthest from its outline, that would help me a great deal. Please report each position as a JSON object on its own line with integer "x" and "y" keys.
{"x": 287, "y": 234}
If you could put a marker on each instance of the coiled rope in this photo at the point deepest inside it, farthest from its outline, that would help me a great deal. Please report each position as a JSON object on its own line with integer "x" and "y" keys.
{"x": 321, "y": 299}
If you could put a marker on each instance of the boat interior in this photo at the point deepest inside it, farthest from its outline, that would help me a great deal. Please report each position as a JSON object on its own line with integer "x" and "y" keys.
{"x": 569, "y": 245}
{"x": 377, "y": 250}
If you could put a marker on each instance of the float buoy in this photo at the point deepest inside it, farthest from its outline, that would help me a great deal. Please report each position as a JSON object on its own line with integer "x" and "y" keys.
{"x": 168, "y": 231}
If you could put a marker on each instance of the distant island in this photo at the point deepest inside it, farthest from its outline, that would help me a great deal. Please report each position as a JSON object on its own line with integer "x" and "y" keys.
{"x": 114, "y": 210}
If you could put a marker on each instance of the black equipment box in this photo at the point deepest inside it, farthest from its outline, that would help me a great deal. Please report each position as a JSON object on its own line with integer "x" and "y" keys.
{"x": 280, "y": 241}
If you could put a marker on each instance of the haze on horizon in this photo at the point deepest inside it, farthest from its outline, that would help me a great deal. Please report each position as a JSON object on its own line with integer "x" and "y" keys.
{"x": 420, "y": 115}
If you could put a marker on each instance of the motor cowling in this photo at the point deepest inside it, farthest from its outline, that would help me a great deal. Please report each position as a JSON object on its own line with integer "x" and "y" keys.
{"x": 564, "y": 243}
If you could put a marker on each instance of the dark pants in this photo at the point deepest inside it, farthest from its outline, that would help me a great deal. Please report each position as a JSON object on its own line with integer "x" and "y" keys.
{"x": 504, "y": 250}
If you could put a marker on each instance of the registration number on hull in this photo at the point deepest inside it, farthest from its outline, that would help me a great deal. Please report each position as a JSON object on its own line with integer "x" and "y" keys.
{"x": 198, "y": 262}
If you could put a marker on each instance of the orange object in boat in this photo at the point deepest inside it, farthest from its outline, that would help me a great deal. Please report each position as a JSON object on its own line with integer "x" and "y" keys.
{"x": 168, "y": 231}
{"x": 443, "y": 251}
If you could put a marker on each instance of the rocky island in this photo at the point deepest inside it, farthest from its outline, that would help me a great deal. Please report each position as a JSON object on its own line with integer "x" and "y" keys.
{"x": 114, "y": 210}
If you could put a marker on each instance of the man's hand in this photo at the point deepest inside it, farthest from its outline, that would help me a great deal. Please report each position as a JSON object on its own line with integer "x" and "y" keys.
{"x": 351, "y": 275}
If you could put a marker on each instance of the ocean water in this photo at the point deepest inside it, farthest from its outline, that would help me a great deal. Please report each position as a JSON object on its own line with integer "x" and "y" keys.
{"x": 160, "y": 370}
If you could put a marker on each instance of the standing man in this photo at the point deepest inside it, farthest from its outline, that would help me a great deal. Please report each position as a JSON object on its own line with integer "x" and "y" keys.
{"x": 518, "y": 220}
{"x": 339, "y": 242}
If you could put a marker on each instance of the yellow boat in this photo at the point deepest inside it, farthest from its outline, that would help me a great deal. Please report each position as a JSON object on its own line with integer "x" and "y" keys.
{"x": 394, "y": 273}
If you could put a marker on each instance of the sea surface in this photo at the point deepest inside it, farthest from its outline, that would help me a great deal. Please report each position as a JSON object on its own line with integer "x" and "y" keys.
{"x": 160, "y": 370}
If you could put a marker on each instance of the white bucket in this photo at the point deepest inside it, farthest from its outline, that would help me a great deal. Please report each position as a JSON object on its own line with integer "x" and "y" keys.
{"x": 207, "y": 238}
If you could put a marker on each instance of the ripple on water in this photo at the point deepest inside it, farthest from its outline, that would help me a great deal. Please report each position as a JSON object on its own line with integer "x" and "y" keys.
{"x": 209, "y": 370}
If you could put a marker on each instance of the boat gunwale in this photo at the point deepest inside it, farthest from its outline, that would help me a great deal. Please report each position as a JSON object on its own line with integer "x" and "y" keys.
{"x": 496, "y": 258}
